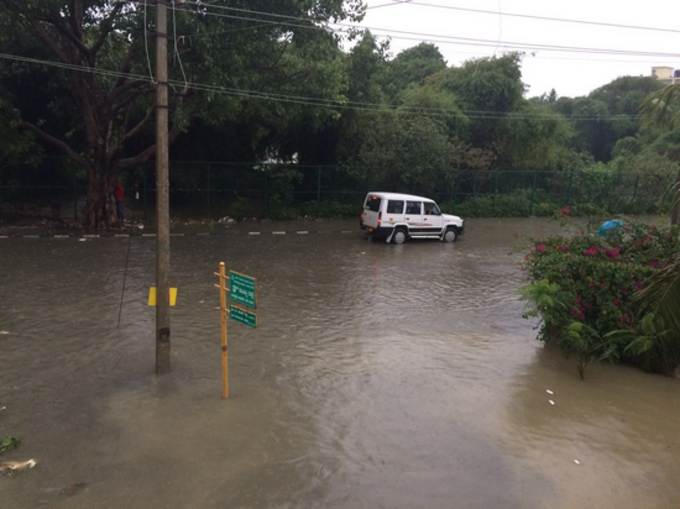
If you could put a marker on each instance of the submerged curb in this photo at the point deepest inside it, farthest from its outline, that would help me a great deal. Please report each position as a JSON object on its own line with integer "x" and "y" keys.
{"x": 153, "y": 235}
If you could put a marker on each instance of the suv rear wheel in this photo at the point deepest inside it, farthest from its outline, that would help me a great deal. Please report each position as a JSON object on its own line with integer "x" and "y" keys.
{"x": 399, "y": 236}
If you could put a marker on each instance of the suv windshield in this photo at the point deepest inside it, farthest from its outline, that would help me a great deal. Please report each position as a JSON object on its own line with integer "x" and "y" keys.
{"x": 431, "y": 209}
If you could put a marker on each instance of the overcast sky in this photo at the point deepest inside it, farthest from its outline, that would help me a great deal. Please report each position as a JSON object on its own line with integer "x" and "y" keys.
{"x": 569, "y": 73}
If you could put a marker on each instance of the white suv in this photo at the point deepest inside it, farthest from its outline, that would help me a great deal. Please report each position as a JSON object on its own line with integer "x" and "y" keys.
{"x": 398, "y": 217}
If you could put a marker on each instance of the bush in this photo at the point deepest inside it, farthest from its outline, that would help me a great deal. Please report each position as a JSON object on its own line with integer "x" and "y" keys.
{"x": 584, "y": 288}
{"x": 241, "y": 207}
{"x": 331, "y": 210}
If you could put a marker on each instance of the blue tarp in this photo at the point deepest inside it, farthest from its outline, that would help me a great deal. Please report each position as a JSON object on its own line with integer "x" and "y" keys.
{"x": 609, "y": 227}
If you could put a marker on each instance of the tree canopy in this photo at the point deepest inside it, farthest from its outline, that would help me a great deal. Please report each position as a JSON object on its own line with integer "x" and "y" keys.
{"x": 273, "y": 81}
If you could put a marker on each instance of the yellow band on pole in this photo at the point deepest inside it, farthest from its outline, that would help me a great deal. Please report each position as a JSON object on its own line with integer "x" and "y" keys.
{"x": 225, "y": 353}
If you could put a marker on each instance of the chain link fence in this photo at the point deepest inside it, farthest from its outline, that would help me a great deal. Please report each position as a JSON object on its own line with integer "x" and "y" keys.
{"x": 202, "y": 190}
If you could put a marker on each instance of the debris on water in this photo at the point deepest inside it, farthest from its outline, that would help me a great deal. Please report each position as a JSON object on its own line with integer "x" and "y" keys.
{"x": 17, "y": 466}
{"x": 549, "y": 391}
{"x": 72, "y": 489}
{"x": 140, "y": 226}
{"x": 82, "y": 240}
{"x": 3, "y": 408}
{"x": 551, "y": 401}
{"x": 4, "y": 332}
{"x": 201, "y": 302}
{"x": 577, "y": 462}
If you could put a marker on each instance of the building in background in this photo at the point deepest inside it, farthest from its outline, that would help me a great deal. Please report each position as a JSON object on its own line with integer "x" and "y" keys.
{"x": 666, "y": 75}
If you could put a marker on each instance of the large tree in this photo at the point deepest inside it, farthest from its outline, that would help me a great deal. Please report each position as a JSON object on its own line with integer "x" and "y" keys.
{"x": 101, "y": 51}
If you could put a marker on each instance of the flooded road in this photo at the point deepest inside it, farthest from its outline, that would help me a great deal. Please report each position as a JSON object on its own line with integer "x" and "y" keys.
{"x": 381, "y": 376}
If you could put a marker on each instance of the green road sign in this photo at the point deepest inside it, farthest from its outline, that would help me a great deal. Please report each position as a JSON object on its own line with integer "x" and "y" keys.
{"x": 243, "y": 316}
{"x": 243, "y": 289}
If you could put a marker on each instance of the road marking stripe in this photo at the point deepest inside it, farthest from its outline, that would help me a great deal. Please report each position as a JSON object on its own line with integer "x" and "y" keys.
{"x": 91, "y": 236}
{"x": 148, "y": 234}
{"x": 31, "y": 236}
{"x": 254, "y": 233}
{"x": 302, "y": 232}
{"x": 278, "y": 233}
{"x": 122, "y": 235}
{"x": 61, "y": 236}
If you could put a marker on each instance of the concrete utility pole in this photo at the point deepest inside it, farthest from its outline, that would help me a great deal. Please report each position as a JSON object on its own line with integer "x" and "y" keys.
{"x": 162, "y": 194}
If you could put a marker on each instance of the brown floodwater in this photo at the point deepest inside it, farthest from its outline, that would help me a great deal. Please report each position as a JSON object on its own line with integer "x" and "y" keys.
{"x": 380, "y": 376}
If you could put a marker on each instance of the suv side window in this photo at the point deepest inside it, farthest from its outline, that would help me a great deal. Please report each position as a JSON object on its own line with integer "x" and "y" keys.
{"x": 395, "y": 207}
{"x": 414, "y": 207}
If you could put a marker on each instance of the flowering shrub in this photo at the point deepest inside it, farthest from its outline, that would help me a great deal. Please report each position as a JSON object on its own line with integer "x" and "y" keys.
{"x": 584, "y": 287}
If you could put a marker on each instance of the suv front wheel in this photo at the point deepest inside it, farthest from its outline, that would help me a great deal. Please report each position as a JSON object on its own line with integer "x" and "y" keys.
{"x": 450, "y": 235}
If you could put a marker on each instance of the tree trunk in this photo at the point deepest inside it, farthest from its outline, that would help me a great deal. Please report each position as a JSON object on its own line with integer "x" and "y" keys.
{"x": 99, "y": 209}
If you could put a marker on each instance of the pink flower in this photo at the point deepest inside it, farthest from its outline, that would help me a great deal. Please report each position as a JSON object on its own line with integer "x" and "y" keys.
{"x": 613, "y": 253}
{"x": 617, "y": 302}
{"x": 565, "y": 210}
{"x": 540, "y": 248}
{"x": 639, "y": 285}
{"x": 656, "y": 264}
{"x": 593, "y": 251}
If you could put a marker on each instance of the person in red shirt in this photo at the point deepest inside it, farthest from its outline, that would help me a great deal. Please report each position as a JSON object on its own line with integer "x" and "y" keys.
{"x": 119, "y": 195}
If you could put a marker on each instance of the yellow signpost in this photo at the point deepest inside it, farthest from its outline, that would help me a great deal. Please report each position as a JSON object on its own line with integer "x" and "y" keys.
{"x": 242, "y": 289}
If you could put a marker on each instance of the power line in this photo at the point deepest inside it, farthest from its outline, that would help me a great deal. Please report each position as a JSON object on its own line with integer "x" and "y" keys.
{"x": 319, "y": 102}
{"x": 547, "y": 18}
{"x": 454, "y": 52}
{"x": 439, "y": 38}
{"x": 394, "y": 2}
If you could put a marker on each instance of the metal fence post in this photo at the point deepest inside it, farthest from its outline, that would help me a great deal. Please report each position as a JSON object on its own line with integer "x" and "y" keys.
{"x": 75, "y": 198}
{"x": 144, "y": 189}
{"x": 533, "y": 193}
{"x": 209, "y": 168}
{"x": 455, "y": 192}
{"x": 571, "y": 181}
{"x": 495, "y": 193}
{"x": 266, "y": 193}
{"x": 318, "y": 189}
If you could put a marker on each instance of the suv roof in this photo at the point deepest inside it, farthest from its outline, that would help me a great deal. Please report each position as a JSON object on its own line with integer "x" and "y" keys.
{"x": 398, "y": 196}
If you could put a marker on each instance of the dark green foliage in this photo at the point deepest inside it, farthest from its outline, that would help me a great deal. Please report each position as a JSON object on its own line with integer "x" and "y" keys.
{"x": 412, "y": 66}
{"x": 7, "y": 443}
